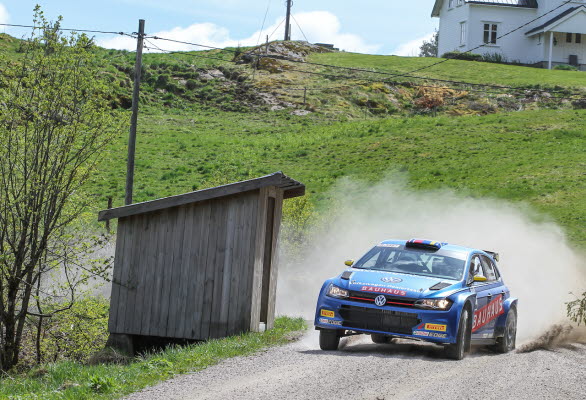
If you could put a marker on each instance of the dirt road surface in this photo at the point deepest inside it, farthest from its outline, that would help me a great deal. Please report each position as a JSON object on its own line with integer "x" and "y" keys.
{"x": 364, "y": 370}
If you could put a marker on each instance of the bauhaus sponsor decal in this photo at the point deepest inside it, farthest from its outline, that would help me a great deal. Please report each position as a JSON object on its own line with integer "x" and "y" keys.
{"x": 488, "y": 313}
{"x": 384, "y": 290}
{"x": 381, "y": 285}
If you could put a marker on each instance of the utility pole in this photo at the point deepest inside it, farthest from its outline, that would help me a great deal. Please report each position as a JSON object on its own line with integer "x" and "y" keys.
{"x": 134, "y": 117}
{"x": 288, "y": 21}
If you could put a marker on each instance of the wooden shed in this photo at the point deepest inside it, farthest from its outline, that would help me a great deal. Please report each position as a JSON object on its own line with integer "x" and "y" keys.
{"x": 198, "y": 265}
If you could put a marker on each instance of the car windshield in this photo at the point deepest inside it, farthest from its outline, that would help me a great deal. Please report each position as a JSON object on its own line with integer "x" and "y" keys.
{"x": 396, "y": 258}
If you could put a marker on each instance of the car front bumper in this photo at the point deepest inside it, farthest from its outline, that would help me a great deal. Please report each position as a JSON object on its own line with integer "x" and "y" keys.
{"x": 408, "y": 322}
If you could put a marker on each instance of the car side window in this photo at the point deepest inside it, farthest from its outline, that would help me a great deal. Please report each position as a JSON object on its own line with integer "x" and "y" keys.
{"x": 491, "y": 274}
{"x": 476, "y": 267}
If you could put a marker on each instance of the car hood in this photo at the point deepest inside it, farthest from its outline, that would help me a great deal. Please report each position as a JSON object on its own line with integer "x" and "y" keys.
{"x": 396, "y": 284}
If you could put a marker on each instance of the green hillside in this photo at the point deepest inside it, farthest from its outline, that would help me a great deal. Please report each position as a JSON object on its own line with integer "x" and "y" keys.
{"x": 216, "y": 116}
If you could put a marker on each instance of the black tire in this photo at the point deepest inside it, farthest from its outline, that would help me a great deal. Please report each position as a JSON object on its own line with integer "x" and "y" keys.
{"x": 329, "y": 339}
{"x": 457, "y": 351}
{"x": 508, "y": 341}
{"x": 380, "y": 338}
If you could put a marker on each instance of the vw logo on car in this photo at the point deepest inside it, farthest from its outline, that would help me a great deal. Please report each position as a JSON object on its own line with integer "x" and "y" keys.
{"x": 391, "y": 279}
{"x": 380, "y": 300}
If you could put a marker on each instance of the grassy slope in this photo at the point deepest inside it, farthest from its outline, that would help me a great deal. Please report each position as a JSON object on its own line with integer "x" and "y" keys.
{"x": 474, "y": 72}
{"x": 69, "y": 380}
{"x": 533, "y": 156}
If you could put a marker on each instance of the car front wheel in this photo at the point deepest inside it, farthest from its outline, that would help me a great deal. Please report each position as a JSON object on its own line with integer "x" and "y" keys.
{"x": 457, "y": 351}
{"x": 329, "y": 339}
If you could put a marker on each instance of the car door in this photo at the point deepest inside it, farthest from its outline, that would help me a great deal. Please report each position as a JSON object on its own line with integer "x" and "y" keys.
{"x": 491, "y": 293}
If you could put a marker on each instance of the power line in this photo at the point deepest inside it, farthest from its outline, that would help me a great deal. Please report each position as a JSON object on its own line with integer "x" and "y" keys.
{"x": 73, "y": 30}
{"x": 499, "y": 37}
{"x": 263, "y": 22}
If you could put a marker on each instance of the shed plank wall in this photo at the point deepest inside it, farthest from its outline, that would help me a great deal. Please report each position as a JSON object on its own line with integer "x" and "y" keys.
{"x": 188, "y": 271}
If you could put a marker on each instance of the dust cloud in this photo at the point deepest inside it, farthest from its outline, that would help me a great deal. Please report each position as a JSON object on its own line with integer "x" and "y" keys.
{"x": 536, "y": 261}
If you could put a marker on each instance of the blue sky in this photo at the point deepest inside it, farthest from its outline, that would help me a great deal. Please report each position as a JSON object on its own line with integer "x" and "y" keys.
{"x": 371, "y": 26}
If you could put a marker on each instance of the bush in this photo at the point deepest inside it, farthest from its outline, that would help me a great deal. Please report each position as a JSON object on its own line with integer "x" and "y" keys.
{"x": 75, "y": 334}
{"x": 162, "y": 81}
{"x": 577, "y": 310}
{"x": 565, "y": 67}
{"x": 191, "y": 84}
{"x": 457, "y": 55}
{"x": 497, "y": 58}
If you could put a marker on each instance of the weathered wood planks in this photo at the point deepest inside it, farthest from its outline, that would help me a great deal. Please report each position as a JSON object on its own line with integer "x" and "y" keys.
{"x": 199, "y": 270}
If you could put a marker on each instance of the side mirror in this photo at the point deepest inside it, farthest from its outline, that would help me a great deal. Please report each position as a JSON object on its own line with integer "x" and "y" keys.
{"x": 479, "y": 278}
{"x": 349, "y": 263}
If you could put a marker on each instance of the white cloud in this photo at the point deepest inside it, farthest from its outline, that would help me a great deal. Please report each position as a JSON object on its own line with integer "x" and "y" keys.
{"x": 411, "y": 48}
{"x": 318, "y": 26}
{"x": 4, "y": 16}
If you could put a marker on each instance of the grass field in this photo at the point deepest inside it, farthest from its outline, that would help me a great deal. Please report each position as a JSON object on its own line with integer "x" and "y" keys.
{"x": 74, "y": 381}
{"x": 469, "y": 71}
{"x": 533, "y": 157}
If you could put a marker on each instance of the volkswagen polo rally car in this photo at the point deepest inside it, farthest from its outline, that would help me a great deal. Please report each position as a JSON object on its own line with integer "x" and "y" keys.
{"x": 420, "y": 289}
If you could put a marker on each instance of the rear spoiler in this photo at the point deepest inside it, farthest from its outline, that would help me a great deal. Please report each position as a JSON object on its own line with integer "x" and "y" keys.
{"x": 493, "y": 254}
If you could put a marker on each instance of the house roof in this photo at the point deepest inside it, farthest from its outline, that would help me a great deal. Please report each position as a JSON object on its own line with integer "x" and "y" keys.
{"x": 566, "y": 13}
{"x": 291, "y": 188}
{"x": 507, "y": 3}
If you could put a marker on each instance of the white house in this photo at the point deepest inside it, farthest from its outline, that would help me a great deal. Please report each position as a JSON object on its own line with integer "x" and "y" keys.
{"x": 558, "y": 37}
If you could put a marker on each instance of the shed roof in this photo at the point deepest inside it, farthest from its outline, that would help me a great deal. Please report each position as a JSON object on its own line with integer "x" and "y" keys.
{"x": 507, "y": 3}
{"x": 291, "y": 188}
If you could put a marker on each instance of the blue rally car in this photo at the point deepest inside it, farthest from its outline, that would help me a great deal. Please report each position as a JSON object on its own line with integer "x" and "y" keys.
{"x": 420, "y": 289}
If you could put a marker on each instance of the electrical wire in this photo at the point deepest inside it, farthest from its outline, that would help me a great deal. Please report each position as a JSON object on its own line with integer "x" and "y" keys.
{"x": 133, "y": 35}
{"x": 263, "y": 22}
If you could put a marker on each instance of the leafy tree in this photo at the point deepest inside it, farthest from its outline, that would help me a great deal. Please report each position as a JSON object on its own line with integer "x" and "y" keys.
{"x": 429, "y": 48}
{"x": 54, "y": 126}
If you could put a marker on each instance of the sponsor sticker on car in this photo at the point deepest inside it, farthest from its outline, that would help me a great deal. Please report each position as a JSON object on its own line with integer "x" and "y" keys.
{"x": 436, "y": 327}
{"x": 488, "y": 313}
{"x": 329, "y": 321}
{"x": 327, "y": 313}
{"x": 384, "y": 290}
{"x": 430, "y": 334}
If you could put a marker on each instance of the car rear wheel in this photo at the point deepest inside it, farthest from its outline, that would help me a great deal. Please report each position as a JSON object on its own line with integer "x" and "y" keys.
{"x": 507, "y": 342}
{"x": 457, "y": 351}
{"x": 329, "y": 339}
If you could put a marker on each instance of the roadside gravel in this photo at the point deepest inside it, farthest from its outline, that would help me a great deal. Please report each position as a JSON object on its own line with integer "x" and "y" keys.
{"x": 363, "y": 370}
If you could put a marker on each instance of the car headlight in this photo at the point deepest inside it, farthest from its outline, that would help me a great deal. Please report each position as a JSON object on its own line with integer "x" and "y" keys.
{"x": 335, "y": 291}
{"x": 434, "y": 304}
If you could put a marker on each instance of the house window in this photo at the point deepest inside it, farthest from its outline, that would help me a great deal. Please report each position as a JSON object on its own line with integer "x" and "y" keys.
{"x": 578, "y": 38}
{"x": 568, "y": 38}
{"x": 460, "y": 2}
{"x": 490, "y": 33}
{"x": 451, "y": 4}
{"x": 462, "y": 33}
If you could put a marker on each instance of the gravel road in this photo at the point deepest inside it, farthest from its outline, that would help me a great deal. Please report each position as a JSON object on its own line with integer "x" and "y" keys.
{"x": 363, "y": 370}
